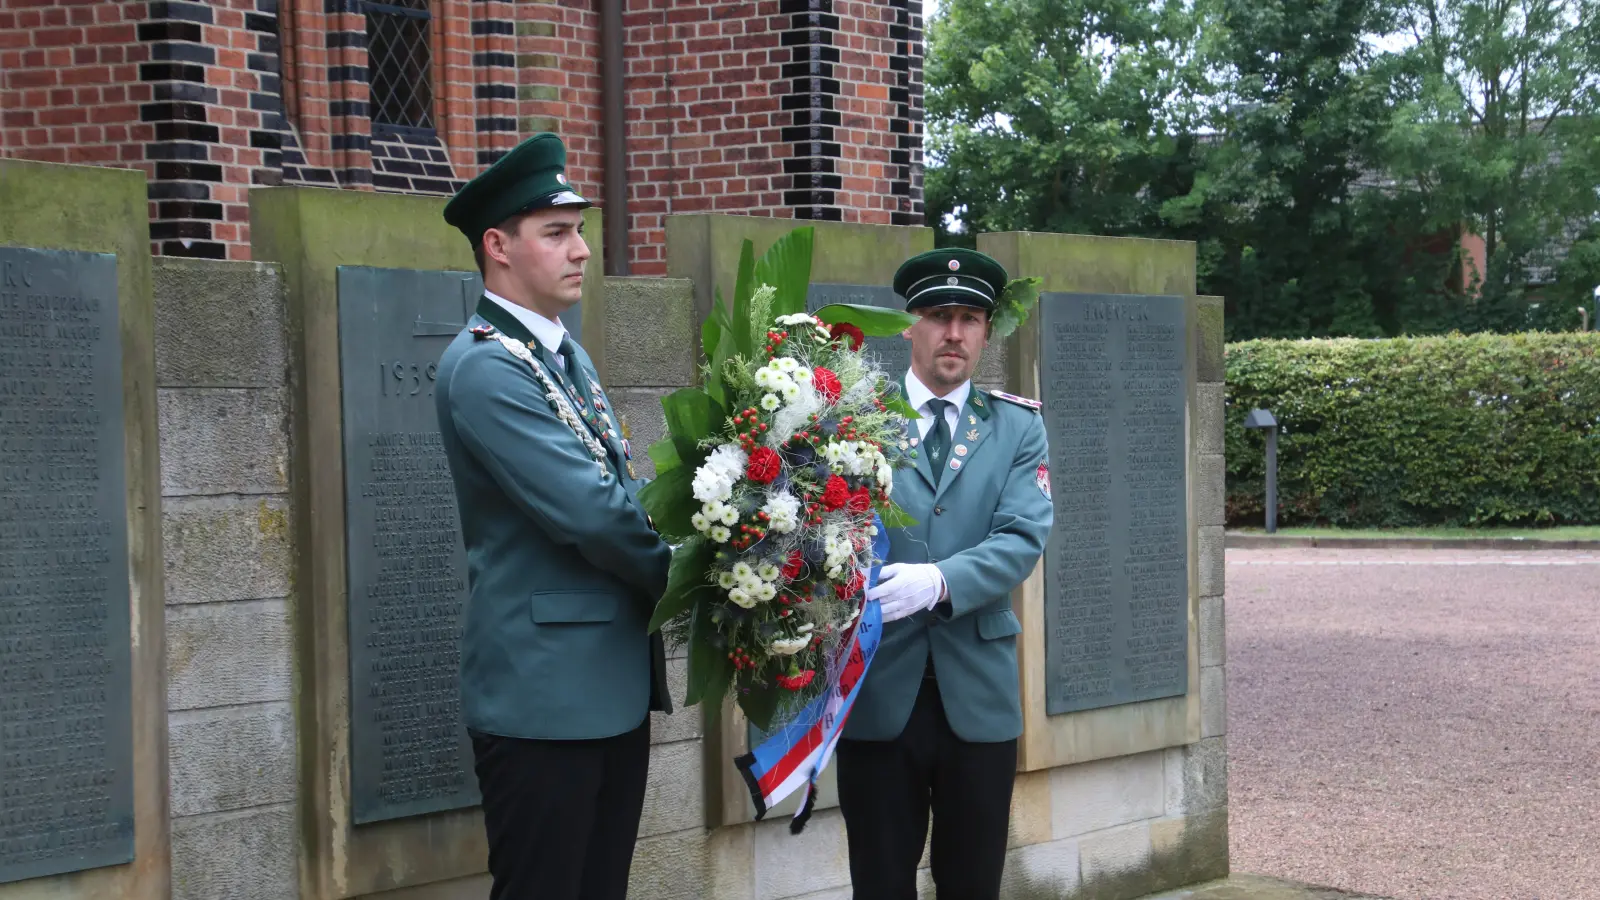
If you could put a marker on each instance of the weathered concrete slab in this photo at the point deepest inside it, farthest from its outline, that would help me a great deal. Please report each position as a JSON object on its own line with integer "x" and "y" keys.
{"x": 232, "y": 758}
{"x": 219, "y": 324}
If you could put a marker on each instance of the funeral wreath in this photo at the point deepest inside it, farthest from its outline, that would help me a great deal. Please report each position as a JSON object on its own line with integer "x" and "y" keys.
{"x": 774, "y": 478}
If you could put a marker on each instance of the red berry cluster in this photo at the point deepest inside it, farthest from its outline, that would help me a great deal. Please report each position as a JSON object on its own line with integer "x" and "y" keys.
{"x": 813, "y": 514}
{"x": 847, "y": 429}
{"x": 775, "y": 340}
{"x": 750, "y": 419}
{"x": 741, "y": 659}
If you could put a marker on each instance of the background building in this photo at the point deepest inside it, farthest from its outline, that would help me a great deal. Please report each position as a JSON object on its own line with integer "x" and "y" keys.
{"x": 808, "y": 109}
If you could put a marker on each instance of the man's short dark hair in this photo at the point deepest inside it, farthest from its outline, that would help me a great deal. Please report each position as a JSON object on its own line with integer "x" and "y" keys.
{"x": 510, "y": 225}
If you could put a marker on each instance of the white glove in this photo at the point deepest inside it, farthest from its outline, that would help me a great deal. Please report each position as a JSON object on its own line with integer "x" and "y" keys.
{"x": 907, "y": 588}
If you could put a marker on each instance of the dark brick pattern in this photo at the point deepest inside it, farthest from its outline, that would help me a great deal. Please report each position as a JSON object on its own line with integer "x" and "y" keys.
{"x": 413, "y": 163}
{"x": 494, "y": 45}
{"x": 812, "y": 168}
{"x": 906, "y": 162}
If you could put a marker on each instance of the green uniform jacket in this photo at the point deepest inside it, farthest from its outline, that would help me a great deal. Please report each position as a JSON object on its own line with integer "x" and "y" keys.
{"x": 563, "y": 566}
{"x": 985, "y": 527}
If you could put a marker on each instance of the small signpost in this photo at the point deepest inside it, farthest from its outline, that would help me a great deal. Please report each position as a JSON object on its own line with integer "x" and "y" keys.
{"x": 1260, "y": 418}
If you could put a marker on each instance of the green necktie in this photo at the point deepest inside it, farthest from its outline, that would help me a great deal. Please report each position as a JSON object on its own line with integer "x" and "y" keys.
{"x": 938, "y": 441}
{"x": 574, "y": 369}
{"x": 586, "y": 399}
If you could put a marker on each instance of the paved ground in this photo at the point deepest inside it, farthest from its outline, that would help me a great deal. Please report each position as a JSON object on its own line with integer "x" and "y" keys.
{"x": 1418, "y": 725}
{"x": 1255, "y": 887}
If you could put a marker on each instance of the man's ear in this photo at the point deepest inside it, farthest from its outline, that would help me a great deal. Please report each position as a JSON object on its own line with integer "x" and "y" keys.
{"x": 494, "y": 247}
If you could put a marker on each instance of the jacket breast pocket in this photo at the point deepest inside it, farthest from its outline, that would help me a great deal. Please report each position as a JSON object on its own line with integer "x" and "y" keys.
{"x": 998, "y": 624}
{"x": 553, "y": 607}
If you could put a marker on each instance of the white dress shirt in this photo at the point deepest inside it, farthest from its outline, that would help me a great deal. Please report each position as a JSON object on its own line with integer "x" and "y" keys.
{"x": 918, "y": 395}
{"x": 548, "y": 332}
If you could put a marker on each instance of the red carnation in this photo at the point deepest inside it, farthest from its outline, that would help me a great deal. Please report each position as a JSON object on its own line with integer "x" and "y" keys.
{"x": 827, "y": 383}
{"x": 861, "y": 500}
{"x": 764, "y": 465}
{"x": 844, "y": 331}
{"x": 791, "y": 569}
{"x": 796, "y": 682}
{"x": 835, "y": 494}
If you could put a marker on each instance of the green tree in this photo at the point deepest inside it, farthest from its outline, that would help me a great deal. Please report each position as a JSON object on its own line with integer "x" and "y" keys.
{"x": 1500, "y": 137}
{"x": 1058, "y": 115}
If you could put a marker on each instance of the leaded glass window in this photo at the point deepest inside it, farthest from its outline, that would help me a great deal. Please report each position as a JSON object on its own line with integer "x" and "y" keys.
{"x": 400, "y": 63}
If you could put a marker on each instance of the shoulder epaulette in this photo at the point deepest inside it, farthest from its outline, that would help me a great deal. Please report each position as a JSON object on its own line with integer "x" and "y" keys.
{"x": 1020, "y": 401}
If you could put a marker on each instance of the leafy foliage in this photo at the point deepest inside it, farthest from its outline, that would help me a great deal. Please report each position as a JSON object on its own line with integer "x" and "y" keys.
{"x": 1454, "y": 430}
{"x": 1336, "y": 162}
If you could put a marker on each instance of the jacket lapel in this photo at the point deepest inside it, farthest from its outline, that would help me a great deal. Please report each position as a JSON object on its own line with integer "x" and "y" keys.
{"x": 972, "y": 427}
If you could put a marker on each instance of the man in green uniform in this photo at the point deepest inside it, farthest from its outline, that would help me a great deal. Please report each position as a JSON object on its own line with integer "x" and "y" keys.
{"x": 558, "y": 669}
{"x": 935, "y": 726}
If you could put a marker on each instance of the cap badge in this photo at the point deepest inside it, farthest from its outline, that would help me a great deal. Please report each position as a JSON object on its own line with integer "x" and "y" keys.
{"x": 952, "y": 281}
{"x": 955, "y": 265}
{"x": 561, "y": 178}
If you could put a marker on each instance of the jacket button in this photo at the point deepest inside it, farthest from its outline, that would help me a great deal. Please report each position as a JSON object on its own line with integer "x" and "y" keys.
{"x": 938, "y": 510}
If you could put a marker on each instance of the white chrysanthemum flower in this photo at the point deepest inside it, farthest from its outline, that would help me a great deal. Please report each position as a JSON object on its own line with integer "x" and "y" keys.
{"x": 729, "y": 459}
{"x": 742, "y": 597}
{"x": 783, "y": 512}
{"x": 742, "y": 570}
{"x": 787, "y": 365}
{"x": 834, "y": 572}
{"x": 789, "y": 646}
{"x": 884, "y": 474}
{"x": 765, "y": 592}
{"x": 720, "y": 534}
{"x": 804, "y": 629}
{"x": 726, "y": 581}
{"x": 751, "y": 585}
{"x": 797, "y": 319}
{"x": 791, "y": 392}
{"x": 730, "y": 516}
{"x": 700, "y": 522}
{"x": 711, "y": 484}
{"x": 823, "y": 335}
{"x": 801, "y": 374}
{"x": 770, "y": 402}
{"x": 769, "y": 572}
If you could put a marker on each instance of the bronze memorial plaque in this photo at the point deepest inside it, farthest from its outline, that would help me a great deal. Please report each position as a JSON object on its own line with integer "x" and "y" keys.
{"x": 1112, "y": 372}
{"x": 66, "y": 744}
{"x": 407, "y": 573}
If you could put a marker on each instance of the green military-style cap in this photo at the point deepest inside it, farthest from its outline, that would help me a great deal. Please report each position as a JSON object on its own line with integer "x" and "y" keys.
{"x": 531, "y": 177}
{"x": 954, "y": 276}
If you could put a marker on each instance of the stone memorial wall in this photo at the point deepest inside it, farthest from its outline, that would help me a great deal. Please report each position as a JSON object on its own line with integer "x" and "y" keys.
{"x": 314, "y": 569}
{"x": 83, "y": 761}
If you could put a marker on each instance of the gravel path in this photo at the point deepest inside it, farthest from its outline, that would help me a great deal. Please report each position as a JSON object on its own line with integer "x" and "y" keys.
{"x": 1419, "y": 725}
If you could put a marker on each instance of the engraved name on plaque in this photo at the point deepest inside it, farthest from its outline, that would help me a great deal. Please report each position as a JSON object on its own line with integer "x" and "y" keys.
{"x": 409, "y": 752}
{"x": 893, "y": 354}
{"x": 66, "y": 745}
{"x": 1113, "y": 375}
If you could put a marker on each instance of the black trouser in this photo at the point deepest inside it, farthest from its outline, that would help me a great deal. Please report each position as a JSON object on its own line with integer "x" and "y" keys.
{"x": 562, "y": 816}
{"x": 887, "y": 788}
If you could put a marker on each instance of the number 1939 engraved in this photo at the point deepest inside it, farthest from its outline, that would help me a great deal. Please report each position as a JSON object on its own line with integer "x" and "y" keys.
{"x": 399, "y": 379}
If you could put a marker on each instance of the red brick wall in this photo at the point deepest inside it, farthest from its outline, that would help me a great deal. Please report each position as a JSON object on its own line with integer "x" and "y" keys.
{"x": 69, "y": 82}
{"x": 791, "y": 108}
{"x": 558, "y": 88}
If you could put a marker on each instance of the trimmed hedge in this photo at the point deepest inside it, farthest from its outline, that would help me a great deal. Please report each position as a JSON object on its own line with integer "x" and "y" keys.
{"x": 1452, "y": 430}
